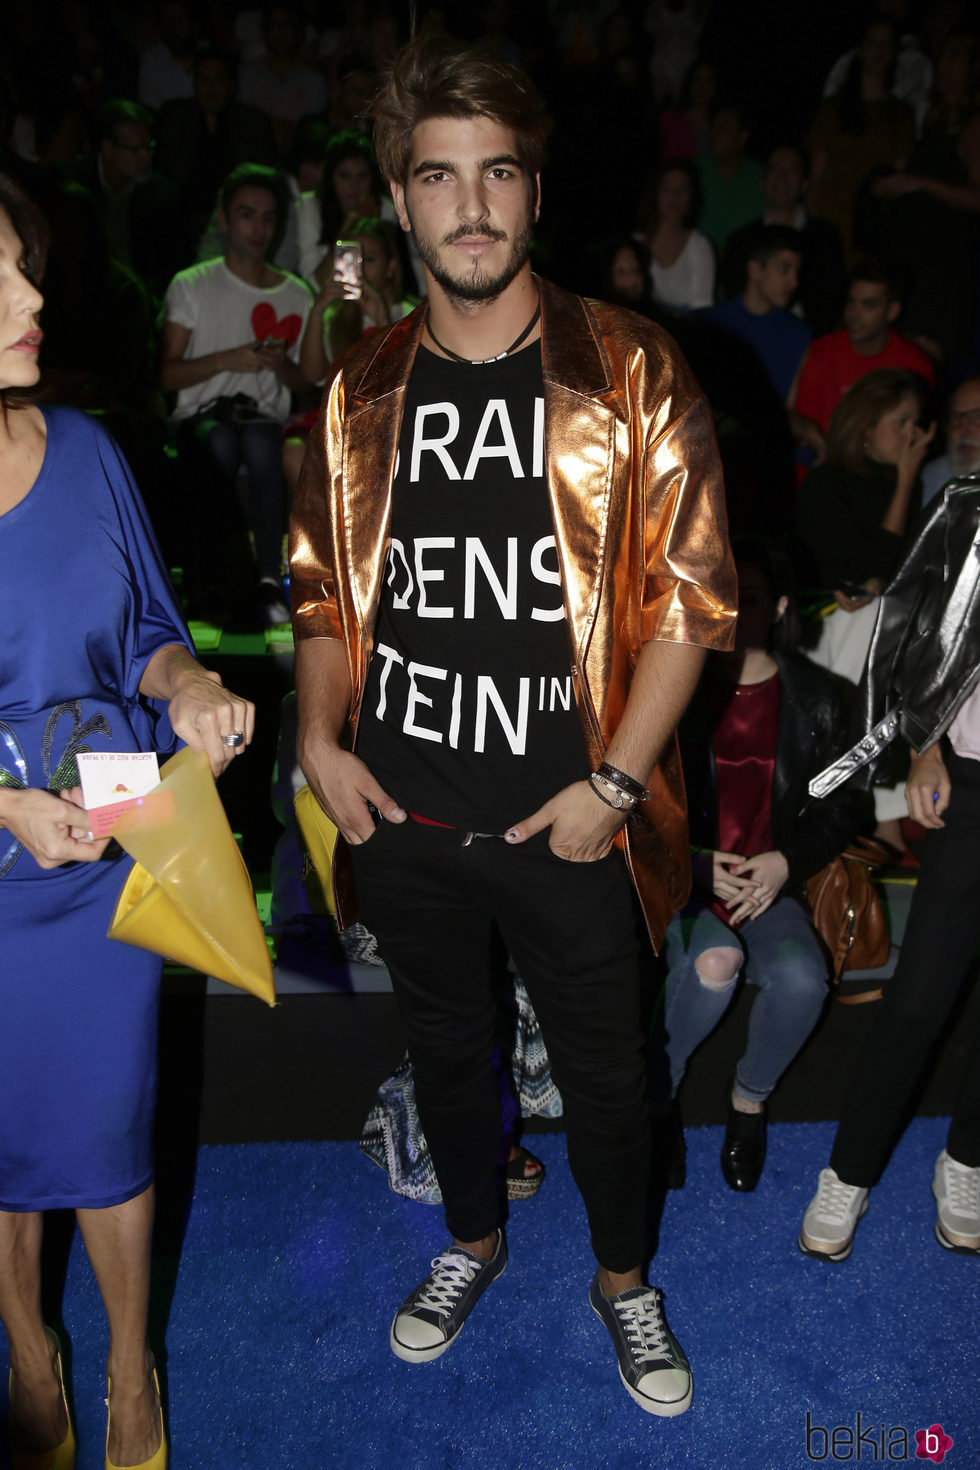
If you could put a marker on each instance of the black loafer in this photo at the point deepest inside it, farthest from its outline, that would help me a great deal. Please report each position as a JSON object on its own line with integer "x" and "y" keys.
{"x": 743, "y": 1152}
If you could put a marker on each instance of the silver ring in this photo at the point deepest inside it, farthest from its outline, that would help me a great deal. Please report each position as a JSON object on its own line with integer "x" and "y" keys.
{"x": 235, "y": 740}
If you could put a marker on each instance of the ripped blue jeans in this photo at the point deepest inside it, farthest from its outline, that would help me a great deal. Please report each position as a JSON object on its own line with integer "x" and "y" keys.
{"x": 779, "y": 952}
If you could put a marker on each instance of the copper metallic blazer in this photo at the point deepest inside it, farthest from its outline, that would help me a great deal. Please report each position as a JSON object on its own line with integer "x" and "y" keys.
{"x": 638, "y": 507}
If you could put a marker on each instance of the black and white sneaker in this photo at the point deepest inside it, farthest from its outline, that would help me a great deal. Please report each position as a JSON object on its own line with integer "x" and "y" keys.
{"x": 652, "y": 1364}
{"x": 430, "y": 1318}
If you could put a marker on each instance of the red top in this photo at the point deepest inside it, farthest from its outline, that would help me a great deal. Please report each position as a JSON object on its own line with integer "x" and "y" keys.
{"x": 831, "y": 366}
{"x": 746, "y": 731}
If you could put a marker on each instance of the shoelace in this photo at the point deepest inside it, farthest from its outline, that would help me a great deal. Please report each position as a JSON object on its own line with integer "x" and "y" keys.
{"x": 963, "y": 1184}
{"x": 836, "y": 1199}
{"x": 644, "y": 1326}
{"x": 449, "y": 1279}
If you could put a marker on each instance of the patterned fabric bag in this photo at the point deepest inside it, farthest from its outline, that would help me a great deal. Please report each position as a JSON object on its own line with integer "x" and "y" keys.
{"x": 392, "y": 1135}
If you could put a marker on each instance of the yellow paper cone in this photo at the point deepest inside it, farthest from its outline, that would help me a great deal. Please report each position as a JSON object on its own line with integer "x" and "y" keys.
{"x": 189, "y": 896}
{"x": 319, "y": 838}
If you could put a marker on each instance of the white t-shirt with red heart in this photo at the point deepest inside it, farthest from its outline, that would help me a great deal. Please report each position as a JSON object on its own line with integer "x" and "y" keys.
{"x": 221, "y": 311}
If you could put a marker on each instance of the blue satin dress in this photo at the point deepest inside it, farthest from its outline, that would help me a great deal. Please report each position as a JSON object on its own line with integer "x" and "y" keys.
{"x": 86, "y": 602}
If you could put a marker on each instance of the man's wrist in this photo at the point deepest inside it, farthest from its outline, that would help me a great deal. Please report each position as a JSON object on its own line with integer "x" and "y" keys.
{"x": 612, "y": 797}
{"x": 627, "y": 785}
{"x": 314, "y": 749}
{"x": 616, "y": 789}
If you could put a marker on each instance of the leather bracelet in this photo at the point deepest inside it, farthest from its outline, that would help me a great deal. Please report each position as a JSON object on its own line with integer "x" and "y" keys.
{"x": 625, "y": 783}
{"x": 622, "y": 802}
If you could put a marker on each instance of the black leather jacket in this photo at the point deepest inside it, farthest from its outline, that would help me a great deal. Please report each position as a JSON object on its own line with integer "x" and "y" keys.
{"x": 925, "y": 654}
{"x": 813, "y": 724}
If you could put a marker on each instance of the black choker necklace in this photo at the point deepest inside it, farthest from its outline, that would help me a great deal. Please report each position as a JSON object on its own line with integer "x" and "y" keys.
{"x": 482, "y": 361}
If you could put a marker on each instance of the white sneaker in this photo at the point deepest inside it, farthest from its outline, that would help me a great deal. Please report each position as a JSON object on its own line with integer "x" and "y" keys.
{"x": 957, "y": 1191}
{"x": 831, "y": 1219}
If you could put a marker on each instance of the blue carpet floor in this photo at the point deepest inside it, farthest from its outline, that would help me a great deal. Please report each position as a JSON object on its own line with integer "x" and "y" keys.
{"x": 296, "y": 1255}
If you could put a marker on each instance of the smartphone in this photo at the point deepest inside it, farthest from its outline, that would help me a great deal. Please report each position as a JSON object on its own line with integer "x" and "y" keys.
{"x": 348, "y": 266}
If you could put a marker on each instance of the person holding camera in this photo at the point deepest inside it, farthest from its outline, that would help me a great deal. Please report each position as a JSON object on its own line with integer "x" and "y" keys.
{"x": 364, "y": 291}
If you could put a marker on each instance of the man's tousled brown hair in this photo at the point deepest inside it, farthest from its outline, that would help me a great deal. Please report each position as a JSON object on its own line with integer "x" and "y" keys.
{"x": 435, "y": 76}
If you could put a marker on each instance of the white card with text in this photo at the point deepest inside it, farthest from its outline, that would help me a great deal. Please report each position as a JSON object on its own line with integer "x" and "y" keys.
{"x": 114, "y": 780}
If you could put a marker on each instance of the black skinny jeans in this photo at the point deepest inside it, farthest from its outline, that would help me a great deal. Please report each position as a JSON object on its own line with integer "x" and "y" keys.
{"x": 571, "y": 931}
{"x": 941, "y": 937}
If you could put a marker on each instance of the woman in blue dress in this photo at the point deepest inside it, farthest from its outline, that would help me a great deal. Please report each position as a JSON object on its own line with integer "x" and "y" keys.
{"x": 95, "y": 656}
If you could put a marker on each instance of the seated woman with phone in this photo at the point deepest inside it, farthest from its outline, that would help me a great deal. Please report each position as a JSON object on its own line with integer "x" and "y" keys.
{"x": 350, "y": 189}
{"x": 363, "y": 292}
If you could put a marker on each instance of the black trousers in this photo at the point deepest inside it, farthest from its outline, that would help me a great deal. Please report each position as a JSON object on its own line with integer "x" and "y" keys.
{"x": 432, "y": 900}
{"x": 941, "y": 938}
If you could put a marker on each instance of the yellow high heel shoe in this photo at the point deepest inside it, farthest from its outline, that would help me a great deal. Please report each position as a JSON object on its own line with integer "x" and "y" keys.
{"x": 157, "y": 1461}
{"x": 62, "y": 1457}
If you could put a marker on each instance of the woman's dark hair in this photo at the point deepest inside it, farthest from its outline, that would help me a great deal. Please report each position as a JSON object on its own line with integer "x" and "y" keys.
{"x": 648, "y": 216}
{"x": 863, "y": 406}
{"x": 380, "y": 230}
{"x": 385, "y": 233}
{"x": 599, "y": 263}
{"x": 341, "y": 146}
{"x": 776, "y": 568}
{"x": 31, "y": 229}
{"x": 852, "y": 115}
{"x": 29, "y": 224}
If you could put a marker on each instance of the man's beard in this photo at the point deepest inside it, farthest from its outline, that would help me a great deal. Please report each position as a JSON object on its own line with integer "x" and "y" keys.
{"x": 964, "y": 457}
{"x": 476, "y": 287}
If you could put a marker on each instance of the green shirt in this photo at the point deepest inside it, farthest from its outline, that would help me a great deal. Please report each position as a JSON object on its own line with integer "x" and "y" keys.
{"x": 728, "y": 203}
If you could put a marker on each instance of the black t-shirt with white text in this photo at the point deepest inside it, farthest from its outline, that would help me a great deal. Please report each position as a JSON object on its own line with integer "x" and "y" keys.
{"x": 469, "y": 715}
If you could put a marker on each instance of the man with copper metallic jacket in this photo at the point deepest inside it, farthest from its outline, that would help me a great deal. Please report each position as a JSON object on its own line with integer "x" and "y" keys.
{"x": 509, "y": 557}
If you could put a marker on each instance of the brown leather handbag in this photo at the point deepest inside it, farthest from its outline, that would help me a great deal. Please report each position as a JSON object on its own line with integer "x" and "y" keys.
{"x": 848, "y": 916}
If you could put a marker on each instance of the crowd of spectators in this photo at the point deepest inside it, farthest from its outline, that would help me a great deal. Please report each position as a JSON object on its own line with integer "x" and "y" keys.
{"x": 800, "y": 210}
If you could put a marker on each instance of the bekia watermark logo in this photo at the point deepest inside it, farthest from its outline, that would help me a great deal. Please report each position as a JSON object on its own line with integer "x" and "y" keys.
{"x": 872, "y": 1443}
{"x": 932, "y": 1444}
